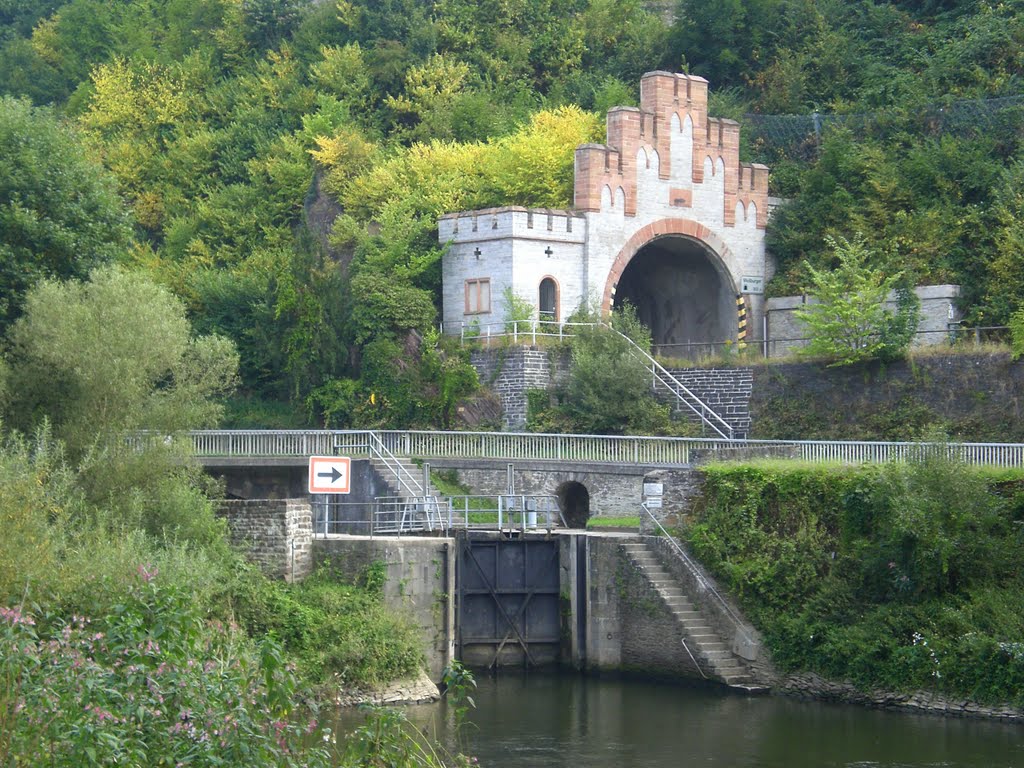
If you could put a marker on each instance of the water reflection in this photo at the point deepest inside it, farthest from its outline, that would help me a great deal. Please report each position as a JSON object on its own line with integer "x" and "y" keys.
{"x": 542, "y": 720}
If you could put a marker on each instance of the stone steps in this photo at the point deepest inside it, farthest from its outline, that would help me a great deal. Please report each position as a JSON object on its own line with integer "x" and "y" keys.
{"x": 702, "y": 641}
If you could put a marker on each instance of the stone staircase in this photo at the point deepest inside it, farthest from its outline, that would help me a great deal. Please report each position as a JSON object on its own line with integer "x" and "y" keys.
{"x": 726, "y": 390}
{"x": 407, "y": 506}
{"x": 710, "y": 651}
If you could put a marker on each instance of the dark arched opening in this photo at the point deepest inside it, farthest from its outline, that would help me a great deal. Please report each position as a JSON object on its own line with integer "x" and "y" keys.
{"x": 574, "y": 501}
{"x": 682, "y": 294}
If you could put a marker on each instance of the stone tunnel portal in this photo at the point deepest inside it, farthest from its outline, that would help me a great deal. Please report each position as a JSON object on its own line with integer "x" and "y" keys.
{"x": 574, "y": 501}
{"x": 682, "y": 293}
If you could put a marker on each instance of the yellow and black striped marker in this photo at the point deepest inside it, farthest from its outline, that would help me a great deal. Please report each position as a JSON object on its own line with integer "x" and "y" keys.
{"x": 741, "y": 314}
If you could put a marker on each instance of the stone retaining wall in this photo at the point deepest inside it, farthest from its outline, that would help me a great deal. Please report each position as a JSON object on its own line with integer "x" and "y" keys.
{"x": 812, "y": 686}
{"x": 276, "y": 534}
{"x": 726, "y": 390}
{"x": 510, "y": 372}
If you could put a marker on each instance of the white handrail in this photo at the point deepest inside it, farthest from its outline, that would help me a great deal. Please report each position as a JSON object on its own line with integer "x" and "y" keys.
{"x": 673, "y": 385}
{"x": 705, "y": 412}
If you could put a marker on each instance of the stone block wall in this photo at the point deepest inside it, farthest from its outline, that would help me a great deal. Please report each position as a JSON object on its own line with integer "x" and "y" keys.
{"x": 276, "y": 534}
{"x": 939, "y": 314}
{"x": 628, "y": 626}
{"x": 615, "y": 490}
{"x": 510, "y": 372}
{"x": 975, "y": 396}
{"x": 726, "y": 390}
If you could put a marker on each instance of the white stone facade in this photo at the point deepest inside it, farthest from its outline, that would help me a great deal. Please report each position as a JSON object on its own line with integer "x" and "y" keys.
{"x": 668, "y": 171}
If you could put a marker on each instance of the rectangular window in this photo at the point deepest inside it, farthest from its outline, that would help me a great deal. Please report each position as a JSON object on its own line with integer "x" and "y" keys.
{"x": 478, "y": 296}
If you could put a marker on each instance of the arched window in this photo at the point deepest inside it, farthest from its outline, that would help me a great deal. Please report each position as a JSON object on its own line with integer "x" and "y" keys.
{"x": 548, "y": 300}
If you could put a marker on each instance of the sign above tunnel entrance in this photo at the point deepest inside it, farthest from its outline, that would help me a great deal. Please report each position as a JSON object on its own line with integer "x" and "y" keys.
{"x": 329, "y": 474}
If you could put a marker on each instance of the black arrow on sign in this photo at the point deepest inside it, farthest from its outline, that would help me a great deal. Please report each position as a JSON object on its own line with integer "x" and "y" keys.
{"x": 334, "y": 474}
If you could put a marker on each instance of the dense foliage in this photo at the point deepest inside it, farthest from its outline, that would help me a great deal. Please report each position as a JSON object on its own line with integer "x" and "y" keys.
{"x": 120, "y": 600}
{"x": 284, "y": 161}
{"x": 608, "y": 387}
{"x": 900, "y": 577}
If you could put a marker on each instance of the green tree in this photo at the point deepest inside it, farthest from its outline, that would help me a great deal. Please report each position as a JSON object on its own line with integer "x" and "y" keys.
{"x": 609, "y": 387}
{"x": 111, "y": 354}
{"x": 60, "y": 215}
{"x": 848, "y": 320}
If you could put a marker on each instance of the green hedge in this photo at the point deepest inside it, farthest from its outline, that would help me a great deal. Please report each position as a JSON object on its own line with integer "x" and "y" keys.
{"x": 900, "y": 577}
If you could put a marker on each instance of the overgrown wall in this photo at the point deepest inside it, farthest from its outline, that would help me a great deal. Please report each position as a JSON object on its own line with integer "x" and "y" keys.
{"x": 975, "y": 396}
{"x": 419, "y": 576}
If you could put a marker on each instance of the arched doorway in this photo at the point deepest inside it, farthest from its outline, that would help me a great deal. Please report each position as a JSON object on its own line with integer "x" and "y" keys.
{"x": 574, "y": 501}
{"x": 548, "y": 300}
{"x": 682, "y": 293}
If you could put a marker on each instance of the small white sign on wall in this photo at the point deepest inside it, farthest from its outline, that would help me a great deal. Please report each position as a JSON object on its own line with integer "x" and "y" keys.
{"x": 751, "y": 284}
{"x": 654, "y": 489}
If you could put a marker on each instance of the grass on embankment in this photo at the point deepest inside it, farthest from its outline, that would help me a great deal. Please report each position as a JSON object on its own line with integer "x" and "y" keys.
{"x": 901, "y": 577}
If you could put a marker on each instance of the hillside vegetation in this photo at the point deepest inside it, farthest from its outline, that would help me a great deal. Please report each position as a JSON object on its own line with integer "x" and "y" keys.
{"x": 279, "y": 165}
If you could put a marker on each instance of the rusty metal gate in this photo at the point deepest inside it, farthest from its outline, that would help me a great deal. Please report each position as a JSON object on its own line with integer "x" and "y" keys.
{"x": 507, "y": 609}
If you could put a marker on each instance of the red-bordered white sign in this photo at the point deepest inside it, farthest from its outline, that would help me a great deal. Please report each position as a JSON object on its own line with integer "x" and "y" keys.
{"x": 329, "y": 474}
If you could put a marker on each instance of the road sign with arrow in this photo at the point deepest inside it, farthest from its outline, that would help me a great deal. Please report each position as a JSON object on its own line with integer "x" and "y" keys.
{"x": 329, "y": 474}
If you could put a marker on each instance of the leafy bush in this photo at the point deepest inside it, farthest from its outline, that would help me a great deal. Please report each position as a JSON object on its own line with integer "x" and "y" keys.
{"x": 149, "y": 683}
{"x": 848, "y": 320}
{"x": 338, "y": 634}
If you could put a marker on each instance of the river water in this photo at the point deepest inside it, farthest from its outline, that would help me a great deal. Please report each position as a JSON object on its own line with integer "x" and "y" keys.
{"x": 546, "y": 719}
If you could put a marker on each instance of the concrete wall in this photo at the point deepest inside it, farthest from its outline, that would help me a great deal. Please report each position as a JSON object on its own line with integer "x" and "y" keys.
{"x": 938, "y": 312}
{"x": 420, "y": 577}
{"x": 276, "y": 534}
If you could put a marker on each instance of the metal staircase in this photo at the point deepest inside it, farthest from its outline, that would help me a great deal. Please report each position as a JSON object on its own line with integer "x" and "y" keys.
{"x": 706, "y": 648}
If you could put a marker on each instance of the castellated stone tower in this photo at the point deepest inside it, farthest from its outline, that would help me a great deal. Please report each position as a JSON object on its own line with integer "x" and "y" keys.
{"x": 665, "y": 217}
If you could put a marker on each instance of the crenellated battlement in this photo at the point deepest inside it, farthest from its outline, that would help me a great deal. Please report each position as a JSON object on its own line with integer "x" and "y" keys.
{"x": 512, "y": 221}
{"x": 671, "y": 132}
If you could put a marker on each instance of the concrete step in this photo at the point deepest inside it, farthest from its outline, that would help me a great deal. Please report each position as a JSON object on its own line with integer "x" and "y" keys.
{"x": 719, "y": 655}
{"x": 687, "y": 614}
{"x": 708, "y": 647}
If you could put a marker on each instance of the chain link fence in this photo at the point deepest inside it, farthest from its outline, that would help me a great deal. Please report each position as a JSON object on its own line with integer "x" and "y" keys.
{"x": 769, "y": 137}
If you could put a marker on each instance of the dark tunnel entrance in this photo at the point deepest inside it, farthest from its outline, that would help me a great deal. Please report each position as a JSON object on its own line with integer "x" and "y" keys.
{"x": 681, "y": 294}
{"x": 574, "y": 501}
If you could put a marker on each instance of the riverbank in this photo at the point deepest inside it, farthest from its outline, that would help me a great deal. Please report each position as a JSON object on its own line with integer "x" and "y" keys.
{"x": 812, "y": 687}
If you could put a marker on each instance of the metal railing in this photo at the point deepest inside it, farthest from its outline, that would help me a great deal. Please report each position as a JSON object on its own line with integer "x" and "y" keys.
{"x": 529, "y": 331}
{"x": 611, "y": 449}
{"x": 403, "y": 515}
{"x": 397, "y": 515}
{"x": 385, "y": 456}
{"x": 660, "y": 375}
{"x": 522, "y": 512}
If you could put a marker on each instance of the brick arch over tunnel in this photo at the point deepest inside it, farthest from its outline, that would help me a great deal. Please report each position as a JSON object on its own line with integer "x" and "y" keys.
{"x": 675, "y": 272}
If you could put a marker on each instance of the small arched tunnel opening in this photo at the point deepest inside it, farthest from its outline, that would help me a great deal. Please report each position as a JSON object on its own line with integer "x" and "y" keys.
{"x": 574, "y": 501}
{"x": 680, "y": 292}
